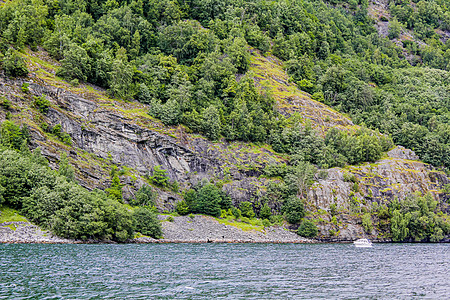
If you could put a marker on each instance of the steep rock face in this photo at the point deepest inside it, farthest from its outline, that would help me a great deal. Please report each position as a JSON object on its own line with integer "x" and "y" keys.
{"x": 107, "y": 134}
{"x": 356, "y": 189}
{"x": 379, "y": 182}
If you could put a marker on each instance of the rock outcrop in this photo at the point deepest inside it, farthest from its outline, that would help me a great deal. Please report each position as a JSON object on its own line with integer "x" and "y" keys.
{"x": 106, "y": 132}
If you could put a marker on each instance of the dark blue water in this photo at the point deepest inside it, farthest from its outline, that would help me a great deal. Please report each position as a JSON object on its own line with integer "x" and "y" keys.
{"x": 224, "y": 271}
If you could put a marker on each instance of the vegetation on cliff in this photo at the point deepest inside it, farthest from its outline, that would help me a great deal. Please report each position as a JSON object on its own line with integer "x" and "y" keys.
{"x": 54, "y": 201}
{"x": 192, "y": 63}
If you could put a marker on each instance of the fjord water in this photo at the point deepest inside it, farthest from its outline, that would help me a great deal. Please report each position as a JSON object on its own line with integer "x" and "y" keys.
{"x": 230, "y": 271}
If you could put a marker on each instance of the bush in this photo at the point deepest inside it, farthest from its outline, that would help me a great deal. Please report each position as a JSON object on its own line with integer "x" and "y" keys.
{"x": 207, "y": 201}
{"x": 266, "y": 223}
{"x": 25, "y": 88}
{"x": 160, "y": 177}
{"x": 12, "y": 136}
{"x": 367, "y": 222}
{"x": 293, "y": 209}
{"x": 145, "y": 197}
{"x": 5, "y": 103}
{"x": 265, "y": 212}
{"x": 182, "y": 208}
{"x": 236, "y": 212}
{"x": 14, "y": 65}
{"x": 147, "y": 222}
{"x": 307, "y": 229}
{"x": 49, "y": 200}
{"x": 246, "y": 208}
{"x": 42, "y": 104}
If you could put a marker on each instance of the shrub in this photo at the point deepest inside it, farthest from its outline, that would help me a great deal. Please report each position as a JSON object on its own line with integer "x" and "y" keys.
{"x": 265, "y": 212}
{"x": 12, "y": 136}
{"x": 236, "y": 212}
{"x": 293, "y": 209}
{"x": 266, "y": 223}
{"x": 182, "y": 208}
{"x": 147, "y": 222}
{"x": 160, "y": 177}
{"x": 307, "y": 229}
{"x": 170, "y": 219}
{"x": 246, "y": 208}
{"x": 5, "y": 103}
{"x": 145, "y": 196}
{"x": 42, "y": 104}
{"x": 14, "y": 65}
{"x": 25, "y": 88}
{"x": 367, "y": 222}
{"x": 115, "y": 191}
{"x": 207, "y": 201}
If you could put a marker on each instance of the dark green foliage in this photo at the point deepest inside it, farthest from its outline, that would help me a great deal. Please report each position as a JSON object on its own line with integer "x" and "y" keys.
{"x": 14, "y": 65}
{"x": 247, "y": 209}
{"x": 75, "y": 63}
{"x": 147, "y": 222}
{"x": 236, "y": 212}
{"x": 58, "y": 132}
{"x": 55, "y": 203}
{"x": 65, "y": 169}
{"x": 42, "y": 104}
{"x": 160, "y": 177}
{"x": 293, "y": 209}
{"x": 307, "y": 229}
{"x": 207, "y": 201}
{"x": 5, "y": 103}
{"x": 182, "y": 208}
{"x": 115, "y": 191}
{"x": 418, "y": 219}
{"x": 145, "y": 196}
{"x": 265, "y": 212}
{"x": 12, "y": 136}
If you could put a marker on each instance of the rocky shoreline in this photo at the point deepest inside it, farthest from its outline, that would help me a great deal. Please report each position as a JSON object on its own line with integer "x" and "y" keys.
{"x": 183, "y": 229}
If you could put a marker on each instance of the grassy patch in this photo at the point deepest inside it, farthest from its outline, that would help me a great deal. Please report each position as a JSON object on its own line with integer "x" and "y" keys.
{"x": 254, "y": 224}
{"x": 10, "y": 215}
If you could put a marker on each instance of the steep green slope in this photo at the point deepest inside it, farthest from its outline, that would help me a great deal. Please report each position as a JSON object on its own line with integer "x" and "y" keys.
{"x": 220, "y": 122}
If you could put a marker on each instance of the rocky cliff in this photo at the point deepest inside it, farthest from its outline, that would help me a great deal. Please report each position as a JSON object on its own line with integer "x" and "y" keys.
{"x": 107, "y": 132}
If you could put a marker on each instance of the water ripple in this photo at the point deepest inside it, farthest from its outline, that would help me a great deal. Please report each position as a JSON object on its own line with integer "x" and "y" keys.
{"x": 224, "y": 271}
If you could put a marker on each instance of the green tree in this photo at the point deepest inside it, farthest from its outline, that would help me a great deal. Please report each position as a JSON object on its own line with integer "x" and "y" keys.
{"x": 115, "y": 191}
{"x": 294, "y": 209}
{"x": 246, "y": 208}
{"x": 399, "y": 226}
{"x": 145, "y": 196}
{"x": 14, "y": 65}
{"x": 160, "y": 177}
{"x": 182, "y": 208}
{"x": 12, "y": 136}
{"x": 307, "y": 229}
{"x": 265, "y": 212}
{"x": 147, "y": 222}
{"x": 121, "y": 77}
{"x": 367, "y": 222}
{"x": 75, "y": 63}
{"x": 65, "y": 169}
{"x": 211, "y": 123}
{"x": 207, "y": 201}
{"x": 239, "y": 54}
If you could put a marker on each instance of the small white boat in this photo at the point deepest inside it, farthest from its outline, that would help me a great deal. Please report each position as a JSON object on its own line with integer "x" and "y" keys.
{"x": 362, "y": 243}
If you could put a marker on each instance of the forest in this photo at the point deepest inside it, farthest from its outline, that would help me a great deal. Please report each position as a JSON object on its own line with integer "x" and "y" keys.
{"x": 189, "y": 62}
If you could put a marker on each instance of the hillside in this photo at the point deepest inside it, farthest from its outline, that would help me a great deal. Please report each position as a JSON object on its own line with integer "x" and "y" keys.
{"x": 289, "y": 117}
{"x": 107, "y": 132}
